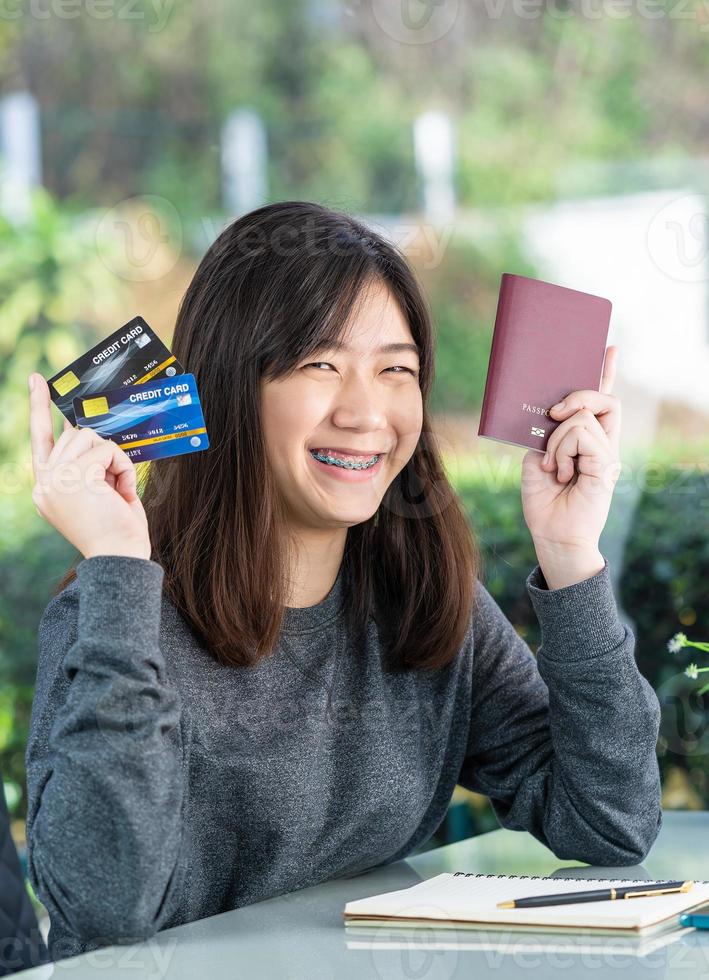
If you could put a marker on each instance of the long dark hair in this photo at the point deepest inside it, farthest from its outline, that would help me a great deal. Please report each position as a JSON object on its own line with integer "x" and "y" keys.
{"x": 273, "y": 287}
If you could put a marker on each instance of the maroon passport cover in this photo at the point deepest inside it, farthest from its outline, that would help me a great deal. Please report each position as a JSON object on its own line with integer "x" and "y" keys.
{"x": 548, "y": 341}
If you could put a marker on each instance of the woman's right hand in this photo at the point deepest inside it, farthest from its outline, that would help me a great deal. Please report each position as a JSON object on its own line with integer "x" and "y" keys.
{"x": 85, "y": 485}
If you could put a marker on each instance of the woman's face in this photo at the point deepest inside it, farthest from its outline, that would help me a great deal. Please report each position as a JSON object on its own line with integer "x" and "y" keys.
{"x": 361, "y": 399}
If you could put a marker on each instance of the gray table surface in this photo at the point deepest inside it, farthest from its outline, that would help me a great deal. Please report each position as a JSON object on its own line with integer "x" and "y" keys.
{"x": 302, "y": 934}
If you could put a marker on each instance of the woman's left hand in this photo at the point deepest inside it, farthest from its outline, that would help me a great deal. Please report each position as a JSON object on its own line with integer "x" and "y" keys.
{"x": 566, "y": 507}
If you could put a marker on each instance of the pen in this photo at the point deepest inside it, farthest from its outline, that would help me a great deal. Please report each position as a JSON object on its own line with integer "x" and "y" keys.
{"x": 597, "y": 895}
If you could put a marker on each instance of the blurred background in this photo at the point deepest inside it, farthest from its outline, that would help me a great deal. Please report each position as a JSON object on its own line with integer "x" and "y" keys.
{"x": 561, "y": 139}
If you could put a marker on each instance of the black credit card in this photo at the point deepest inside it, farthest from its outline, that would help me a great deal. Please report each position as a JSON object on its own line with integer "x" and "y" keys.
{"x": 133, "y": 354}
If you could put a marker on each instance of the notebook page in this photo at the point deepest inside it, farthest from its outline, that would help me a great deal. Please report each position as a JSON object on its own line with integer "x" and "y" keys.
{"x": 398, "y": 935}
{"x": 471, "y": 898}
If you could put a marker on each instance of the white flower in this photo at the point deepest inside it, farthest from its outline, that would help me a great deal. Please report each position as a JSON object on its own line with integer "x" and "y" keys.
{"x": 692, "y": 672}
{"x": 677, "y": 642}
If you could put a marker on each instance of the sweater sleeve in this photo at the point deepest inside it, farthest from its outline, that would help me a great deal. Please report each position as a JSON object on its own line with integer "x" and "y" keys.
{"x": 564, "y": 745}
{"x": 105, "y": 758}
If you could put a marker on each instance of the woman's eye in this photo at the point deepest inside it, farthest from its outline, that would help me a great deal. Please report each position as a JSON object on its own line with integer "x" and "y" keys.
{"x": 397, "y": 368}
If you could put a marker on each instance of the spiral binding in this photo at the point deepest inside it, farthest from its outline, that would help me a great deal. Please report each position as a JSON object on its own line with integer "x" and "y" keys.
{"x": 479, "y": 874}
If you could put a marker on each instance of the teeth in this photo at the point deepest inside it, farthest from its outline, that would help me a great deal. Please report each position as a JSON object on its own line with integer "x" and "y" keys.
{"x": 344, "y": 464}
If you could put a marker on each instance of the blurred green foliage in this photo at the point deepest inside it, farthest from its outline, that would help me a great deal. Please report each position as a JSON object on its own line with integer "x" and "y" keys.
{"x": 134, "y": 103}
{"x": 666, "y": 590}
{"x": 667, "y": 560}
{"x": 462, "y": 289}
{"x": 48, "y": 268}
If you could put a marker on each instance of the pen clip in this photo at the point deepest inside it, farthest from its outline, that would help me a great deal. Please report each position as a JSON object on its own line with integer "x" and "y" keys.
{"x": 667, "y": 891}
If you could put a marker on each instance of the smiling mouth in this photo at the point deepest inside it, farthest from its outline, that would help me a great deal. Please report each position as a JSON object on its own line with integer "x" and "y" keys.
{"x": 356, "y": 454}
{"x": 364, "y": 463}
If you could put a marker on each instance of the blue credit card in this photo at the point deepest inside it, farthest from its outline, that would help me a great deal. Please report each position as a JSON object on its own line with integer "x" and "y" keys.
{"x": 148, "y": 421}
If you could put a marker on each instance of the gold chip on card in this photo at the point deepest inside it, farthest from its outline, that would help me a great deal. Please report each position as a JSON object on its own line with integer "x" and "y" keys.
{"x": 66, "y": 383}
{"x": 94, "y": 406}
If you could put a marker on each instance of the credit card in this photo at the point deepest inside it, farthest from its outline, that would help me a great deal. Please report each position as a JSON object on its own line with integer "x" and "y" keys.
{"x": 148, "y": 421}
{"x": 133, "y": 354}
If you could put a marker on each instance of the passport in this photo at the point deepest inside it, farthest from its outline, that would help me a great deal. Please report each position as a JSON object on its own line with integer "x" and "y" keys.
{"x": 547, "y": 341}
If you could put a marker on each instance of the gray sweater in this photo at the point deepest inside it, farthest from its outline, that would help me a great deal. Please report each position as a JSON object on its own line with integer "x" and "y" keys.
{"x": 165, "y": 787}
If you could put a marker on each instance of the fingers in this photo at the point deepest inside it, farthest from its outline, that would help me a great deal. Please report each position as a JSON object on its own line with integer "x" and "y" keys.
{"x": 71, "y": 443}
{"x": 125, "y": 484}
{"x": 41, "y": 431}
{"x": 604, "y": 407}
{"x": 584, "y": 418}
{"x": 585, "y": 444}
{"x": 101, "y": 467}
{"x": 87, "y": 448}
{"x": 609, "y": 369}
{"x": 114, "y": 462}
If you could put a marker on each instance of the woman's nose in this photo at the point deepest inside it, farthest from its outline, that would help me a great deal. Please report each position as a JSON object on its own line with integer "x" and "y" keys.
{"x": 359, "y": 403}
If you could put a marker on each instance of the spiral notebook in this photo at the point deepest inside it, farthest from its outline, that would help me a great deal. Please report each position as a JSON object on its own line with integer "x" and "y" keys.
{"x": 468, "y": 899}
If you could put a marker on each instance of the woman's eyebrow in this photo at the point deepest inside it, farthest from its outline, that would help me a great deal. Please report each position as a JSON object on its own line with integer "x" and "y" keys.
{"x": 384, "y": 349}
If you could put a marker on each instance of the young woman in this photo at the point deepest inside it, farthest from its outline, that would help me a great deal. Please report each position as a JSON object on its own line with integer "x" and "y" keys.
{"x": 274, "y": 668}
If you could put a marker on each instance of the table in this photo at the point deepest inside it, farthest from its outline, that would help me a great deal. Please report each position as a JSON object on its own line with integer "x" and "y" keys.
{"x": 301, "y": 935}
